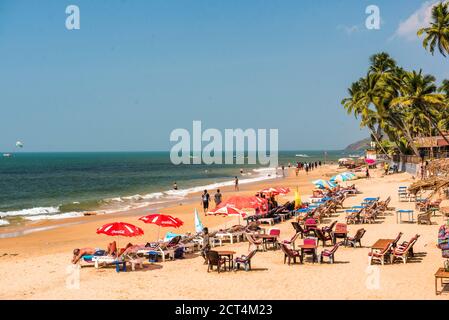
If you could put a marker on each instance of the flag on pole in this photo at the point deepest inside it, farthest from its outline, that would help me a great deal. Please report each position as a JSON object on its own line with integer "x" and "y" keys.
{"x": 298, "y": 201}
{"x": 198, "y": 225}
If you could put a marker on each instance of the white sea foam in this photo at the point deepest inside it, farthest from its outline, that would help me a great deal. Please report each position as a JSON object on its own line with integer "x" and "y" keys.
{"x": 137, "y": 201}
{"x": 30, "y": 212}
{"x": 3, "y": 222}
{"x": 55, "y": 216}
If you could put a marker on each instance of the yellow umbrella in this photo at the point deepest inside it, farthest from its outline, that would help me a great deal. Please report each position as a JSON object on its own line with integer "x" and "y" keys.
{"x": 298, "y": 201}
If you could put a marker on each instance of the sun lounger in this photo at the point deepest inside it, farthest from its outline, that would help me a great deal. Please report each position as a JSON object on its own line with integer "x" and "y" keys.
{"x": 225, "y": 235}
{"x": 269, "y": 221}
{"x": 109, "y": 260}
{"x": 164, "y": 249}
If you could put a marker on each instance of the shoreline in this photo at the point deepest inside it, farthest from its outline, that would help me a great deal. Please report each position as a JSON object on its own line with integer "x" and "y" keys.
{"x": 25, "y": 226}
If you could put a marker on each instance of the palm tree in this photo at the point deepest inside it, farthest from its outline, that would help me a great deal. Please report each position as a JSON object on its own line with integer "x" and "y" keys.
{"x": 358, "y": 104}
{"x": 418, "y": 91}
{"x": 437, "y": 34}
{"x": 444, "y": 87}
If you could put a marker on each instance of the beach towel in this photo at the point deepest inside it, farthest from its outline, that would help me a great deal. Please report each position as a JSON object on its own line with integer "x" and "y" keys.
{"x": 169, "y": 236}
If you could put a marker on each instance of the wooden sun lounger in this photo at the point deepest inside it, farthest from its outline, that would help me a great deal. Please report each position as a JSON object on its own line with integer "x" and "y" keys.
{"x": 270, "y": 221}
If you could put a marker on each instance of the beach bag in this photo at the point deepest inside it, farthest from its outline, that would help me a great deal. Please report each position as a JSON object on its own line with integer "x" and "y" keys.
{"x": 100, "y": 253}
{"x": 179, "y": 253}
{"x": 153, "y": 256}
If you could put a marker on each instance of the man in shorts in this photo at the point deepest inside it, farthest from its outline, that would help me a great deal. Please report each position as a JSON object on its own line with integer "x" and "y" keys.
{"x": 205, "y": 198}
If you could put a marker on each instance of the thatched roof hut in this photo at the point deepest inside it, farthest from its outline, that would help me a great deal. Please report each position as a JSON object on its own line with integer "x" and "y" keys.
{"x": 434, "y": 184}
{"x": 438, "y": 167}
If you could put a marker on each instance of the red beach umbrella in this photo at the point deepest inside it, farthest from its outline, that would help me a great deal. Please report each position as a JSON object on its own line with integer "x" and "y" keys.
{"x": 276, "y": 190}
{"x": 271, "y": 190}
{"x": 162, "y": 220}
{"x": 120, "y": 229}
{"x": 241, "y": 202}
{"x": 228, "y": 210}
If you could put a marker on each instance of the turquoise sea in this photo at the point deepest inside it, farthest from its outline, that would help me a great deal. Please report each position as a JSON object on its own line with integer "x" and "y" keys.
{"x": 38, "y": 186}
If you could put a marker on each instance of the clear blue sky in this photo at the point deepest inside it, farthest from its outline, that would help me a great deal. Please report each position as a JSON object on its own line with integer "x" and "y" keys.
{"x": 139, "y": 69}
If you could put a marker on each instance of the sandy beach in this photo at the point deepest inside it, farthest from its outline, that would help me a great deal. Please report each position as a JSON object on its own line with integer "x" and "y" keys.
{"x": 35, "y": 266}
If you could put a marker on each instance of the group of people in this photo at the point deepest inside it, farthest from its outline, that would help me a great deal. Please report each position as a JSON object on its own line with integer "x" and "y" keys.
{"x": 205, "y": 199}
{"x": 307, "y": 166}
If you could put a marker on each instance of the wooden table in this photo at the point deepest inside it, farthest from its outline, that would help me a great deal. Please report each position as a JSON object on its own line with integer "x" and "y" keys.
{"x": 266, "y": 237}
{"x": 308, "y": 247}
{"x": 440, "y": 274}
{"x": 229, "y": 255}
{"x": 381, "y": 244}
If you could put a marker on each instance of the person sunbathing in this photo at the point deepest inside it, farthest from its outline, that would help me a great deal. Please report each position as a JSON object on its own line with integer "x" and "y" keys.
{"x": 79, "y": 253}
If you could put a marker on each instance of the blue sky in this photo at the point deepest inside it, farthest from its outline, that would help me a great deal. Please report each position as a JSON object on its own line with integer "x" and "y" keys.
{"x": 136, "y": 70}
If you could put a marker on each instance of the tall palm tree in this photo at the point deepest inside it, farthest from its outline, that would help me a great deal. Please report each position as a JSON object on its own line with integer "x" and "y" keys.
{"x": 358, "y": 104}
{"x": 437, "y": 34}
{"x": 418, "y": 91}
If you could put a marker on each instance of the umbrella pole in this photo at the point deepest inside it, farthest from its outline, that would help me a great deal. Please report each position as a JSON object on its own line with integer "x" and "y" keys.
{"x": 118, "y": 246}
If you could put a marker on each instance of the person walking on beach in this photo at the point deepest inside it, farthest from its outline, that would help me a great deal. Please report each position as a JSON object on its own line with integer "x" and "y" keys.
{"x": 217, "y": 198}
{"x": 205, "y": 198}
{"x": 236, "y": 183}
{"x": 367, "y": 173}
{"x": 175, "y": 186}
{"x": 306, "y": 167}
{"x": 283, "y": 168}
{"x": 386, "y": 168}
{"x": 205, "y": 246}
{"x": 297, "y": 171}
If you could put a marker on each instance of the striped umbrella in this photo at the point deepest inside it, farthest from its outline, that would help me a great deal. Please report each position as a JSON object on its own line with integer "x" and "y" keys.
{"x": 340, "y": 178}
{"x": 228, "y": 210}
{"x": 350, "y": 174}
{"x": 322, "y": 184}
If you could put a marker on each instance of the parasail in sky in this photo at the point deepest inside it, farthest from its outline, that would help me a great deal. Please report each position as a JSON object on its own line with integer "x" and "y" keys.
{"x": 19, "y": 144}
